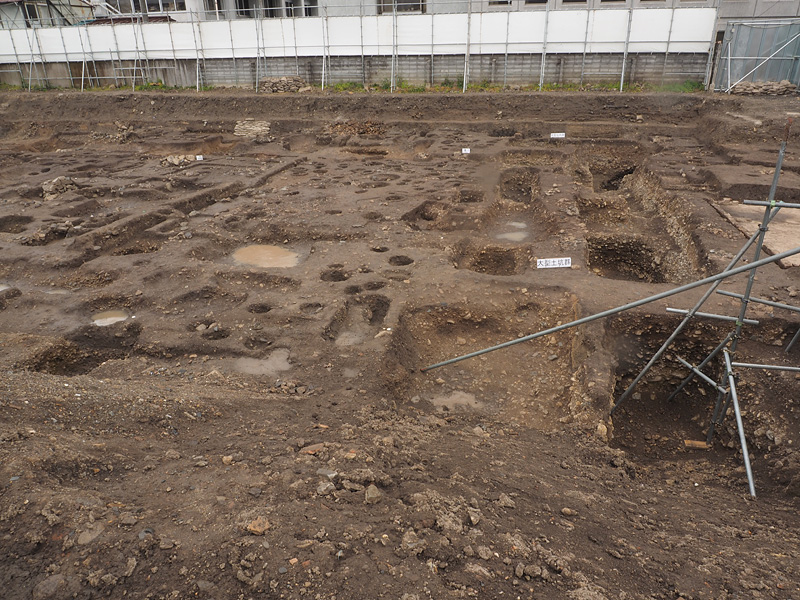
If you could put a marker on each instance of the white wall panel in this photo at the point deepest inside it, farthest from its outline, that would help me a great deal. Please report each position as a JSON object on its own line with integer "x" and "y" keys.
{"x": 276, "y": 38}
{"x": 526, "y": 32}
{"x": 158, "y": 41}
{"x": 650, "y": 30}
{"x": 377, "y": 35}
{"x": 489, "y": 32}
{"x": 128, "y": 40}
{"x": 566, "y": 31}
{"x": 216, "y": 37}
{"x": 495, "y": 32}
{"x": 344, "y": 37}
{"x": 450, "y": 33}
{"x": 310, "y": 36}
{"x": 8, "y": 39}
{"x": 72, "y": 43}
{"x": 49, "y": 39}
{"x": 414, "y": 34}
{"x": 184, "y": 36}
{"x": 690, "y": 28}
{"x": 101, "y": 42}
{"x": 607, "y": 30}
{"x": 244, "y": 38}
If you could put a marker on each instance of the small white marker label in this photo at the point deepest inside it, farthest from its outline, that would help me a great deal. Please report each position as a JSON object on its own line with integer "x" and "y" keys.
{"x": 465, "y": 151}
{"x": 553, "y": 263}
{"x": 198, "y": 157}
{"x": 557, "y": 135}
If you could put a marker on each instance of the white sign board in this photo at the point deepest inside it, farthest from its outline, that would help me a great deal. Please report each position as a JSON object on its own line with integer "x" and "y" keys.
{"x": 554, "y": 136}
{"x": 553, "y": 263}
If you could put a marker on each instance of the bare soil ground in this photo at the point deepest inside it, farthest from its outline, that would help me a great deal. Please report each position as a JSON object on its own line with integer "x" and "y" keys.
{"x": 253, "y": 422}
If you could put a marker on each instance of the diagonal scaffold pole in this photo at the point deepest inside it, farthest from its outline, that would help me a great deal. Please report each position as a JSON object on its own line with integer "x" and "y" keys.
{"x": 613, "y": 311}
{"x": 719, "y": 410}
{"x": 706, "y": 360}
{"x": 758, "y": 237}
{"x": 739, "y": 424}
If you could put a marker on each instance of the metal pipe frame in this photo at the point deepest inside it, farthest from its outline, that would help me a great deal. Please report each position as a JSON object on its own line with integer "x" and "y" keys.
{"x": 760, "y": 301}
{"x": 739, "y": 424}
{"x": 702, "y": 375}
{"x": 762, "y": 63}
{"x": 627, "y": 45}
{"x": 766, "y": 367}
{"x": 681, "y": 311}
{"x": 120, "y": 53}
{"x": 791, "y": 343}
{"x": 762, "y": 231}
{"x": 613, "y": 311}
{"x": 706, "y": 360}
{"x": 767, "y": 203}
{"x": 544, "y": 45}
{"x": 758, "y": 236}
{"x": 660, "y": 352}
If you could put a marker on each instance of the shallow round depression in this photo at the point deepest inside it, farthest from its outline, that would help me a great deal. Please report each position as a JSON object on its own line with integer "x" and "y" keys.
{"x": 266, "y": 256}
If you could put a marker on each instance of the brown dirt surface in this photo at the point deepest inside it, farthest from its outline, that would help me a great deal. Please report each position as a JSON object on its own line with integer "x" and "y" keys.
{"x": 214, "y": 309}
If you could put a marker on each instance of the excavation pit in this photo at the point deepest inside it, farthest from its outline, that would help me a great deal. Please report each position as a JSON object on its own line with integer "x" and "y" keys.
{"x": 630, "y": 258}
{"x": 525, "y": 382}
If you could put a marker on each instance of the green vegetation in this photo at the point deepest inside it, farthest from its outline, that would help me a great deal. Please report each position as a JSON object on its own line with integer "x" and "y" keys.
{"x": 401, "y": 85}
{"x": 348, "y": 86}
{"x": 405, "y": 87}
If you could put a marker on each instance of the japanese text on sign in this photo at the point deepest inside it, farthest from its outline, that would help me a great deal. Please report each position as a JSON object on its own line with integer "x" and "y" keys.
{"x": 557, "y": 135}
{"x": 553, "y": 263}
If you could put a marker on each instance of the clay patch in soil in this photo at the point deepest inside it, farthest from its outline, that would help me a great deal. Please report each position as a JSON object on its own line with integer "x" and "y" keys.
{"x": 265, "y": 256}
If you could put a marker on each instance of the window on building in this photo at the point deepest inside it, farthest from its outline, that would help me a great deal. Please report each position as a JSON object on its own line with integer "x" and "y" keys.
{"x": 581, "y": 1}
{"x": 535, "y": 1}
{"x": 243, "y": 8}
{"x": 31, "y": 13}
{"x": 310, "y": 8}
{"x": 408, "y": 6}
{"x": 499, "y": 2}
{"x": 273, "y": 8}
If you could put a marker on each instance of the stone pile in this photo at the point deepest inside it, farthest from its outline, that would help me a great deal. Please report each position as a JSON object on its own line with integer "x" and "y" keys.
{"x": 251, "y": 128}
{"x": 279, "y": 85}
{"x": 178, "y": 160}
{"x": 59, "y": 185}
{"x": 765, "y": 88}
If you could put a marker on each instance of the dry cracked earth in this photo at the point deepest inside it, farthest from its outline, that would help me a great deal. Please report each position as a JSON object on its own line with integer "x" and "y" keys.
{"x": 215, "y": 309}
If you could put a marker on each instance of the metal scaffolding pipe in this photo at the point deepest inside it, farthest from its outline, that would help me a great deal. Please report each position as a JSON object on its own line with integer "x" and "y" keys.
{"x": 769, "y": 215}
{"x": 760, "y": 301}
{"x": 702, "y": 375}
{"x": 706, "y": 360}
{"x": 682, "y": 311}
{"x": 766, "y": 367}
{"x": 619, "y": 309}
{"x": 739, "y": 424}
{"x": 765, "y": 61}
{"x": 794, "y": 339}
{"x": 745, "y": 301}
{"x": 768, "y": 203}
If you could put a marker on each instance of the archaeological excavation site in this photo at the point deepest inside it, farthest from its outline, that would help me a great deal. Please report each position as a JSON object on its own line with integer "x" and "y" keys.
{"x": 227, "y": 325}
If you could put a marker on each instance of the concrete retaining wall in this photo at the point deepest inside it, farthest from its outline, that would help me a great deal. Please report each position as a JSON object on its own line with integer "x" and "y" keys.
{"x": 517, "y": 69}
